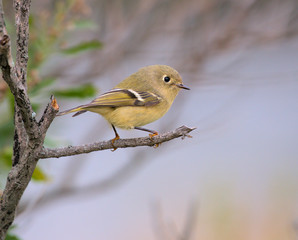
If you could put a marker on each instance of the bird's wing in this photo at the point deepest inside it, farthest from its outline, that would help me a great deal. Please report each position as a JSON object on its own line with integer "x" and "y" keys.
{"x": 124, "y": 97}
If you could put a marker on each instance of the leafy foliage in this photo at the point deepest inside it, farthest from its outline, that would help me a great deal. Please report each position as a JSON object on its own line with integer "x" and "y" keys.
{"x": 10, "y": 235}
{"x": 50, "y": 33}
{"x": 84, "y": 46}
{"x": 39, "y": 175}
{"x": 84, "y": 91}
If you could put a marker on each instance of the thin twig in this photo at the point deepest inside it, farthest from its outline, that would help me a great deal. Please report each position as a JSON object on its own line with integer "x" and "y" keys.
{"x": 121, "y": 143}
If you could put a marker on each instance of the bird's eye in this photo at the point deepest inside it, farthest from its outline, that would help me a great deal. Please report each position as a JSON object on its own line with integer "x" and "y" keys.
{"x": 166, "y": 78}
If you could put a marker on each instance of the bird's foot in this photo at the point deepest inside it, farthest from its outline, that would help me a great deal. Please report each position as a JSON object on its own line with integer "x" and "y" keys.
{"x": 113, "y": 141}
{"x": 153, "y": 135}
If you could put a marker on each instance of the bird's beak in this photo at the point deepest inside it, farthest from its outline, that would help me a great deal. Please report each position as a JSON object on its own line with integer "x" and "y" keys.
{"x": 182, "y": 86}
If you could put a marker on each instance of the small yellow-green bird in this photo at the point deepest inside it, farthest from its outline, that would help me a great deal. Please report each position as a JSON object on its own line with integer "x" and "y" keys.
{"x": 141, "y": 98}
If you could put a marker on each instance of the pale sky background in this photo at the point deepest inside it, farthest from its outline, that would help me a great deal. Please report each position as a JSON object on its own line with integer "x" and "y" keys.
{"x": 243, "y": 157}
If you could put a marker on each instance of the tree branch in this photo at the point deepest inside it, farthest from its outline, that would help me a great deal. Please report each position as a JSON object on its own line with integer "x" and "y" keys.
{"x": 22, "y": 9}
{"x": 48, "y": 116}
{"x": 30, "y": 134}
{"x": 2, "y": 22}
{"x": 20, "y": 174}
{"x": 15, "y": 76}
{"x": 121, "y": 143}
{"x": 28, "y": 139}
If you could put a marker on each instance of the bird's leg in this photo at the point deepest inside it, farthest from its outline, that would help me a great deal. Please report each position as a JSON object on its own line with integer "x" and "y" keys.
{"x": 114, "y": 139}
{"x": 153, "y": 133}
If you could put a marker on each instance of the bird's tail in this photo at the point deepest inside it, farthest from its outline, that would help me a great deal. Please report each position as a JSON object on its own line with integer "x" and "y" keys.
{"x": 79, "y": 110}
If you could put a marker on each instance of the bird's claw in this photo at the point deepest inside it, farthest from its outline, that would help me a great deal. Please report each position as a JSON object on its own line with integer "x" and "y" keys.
{"x": 113, "y": 141}
{"x": 153, "y": 135}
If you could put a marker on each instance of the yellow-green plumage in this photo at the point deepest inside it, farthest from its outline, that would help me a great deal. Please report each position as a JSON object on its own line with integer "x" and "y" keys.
{"x": 141, "y": 98}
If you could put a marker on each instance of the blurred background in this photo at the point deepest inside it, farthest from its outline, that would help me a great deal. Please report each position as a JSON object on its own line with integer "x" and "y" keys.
{"x": 236, "y": 178}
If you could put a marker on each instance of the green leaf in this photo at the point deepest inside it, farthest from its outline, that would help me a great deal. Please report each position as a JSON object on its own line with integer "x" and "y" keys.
{"x": 12, "y": 237}
{"x": 85, "y": 24}
{"x": 10, "y": 98}
{"x": 44, "y": 83}
{"x": 31, "y": 20}
{"x": 84, "y": 46}
{"x": 84, "y": 91}
{"x": 35, "y": 106}
{"x": 39, "y": 175}
{"x": 5, "y": 156}
{"x": 6, "y": 133}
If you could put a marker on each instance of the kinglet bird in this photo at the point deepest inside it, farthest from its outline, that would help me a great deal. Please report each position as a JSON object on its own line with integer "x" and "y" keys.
{"x": 141, "y": 98}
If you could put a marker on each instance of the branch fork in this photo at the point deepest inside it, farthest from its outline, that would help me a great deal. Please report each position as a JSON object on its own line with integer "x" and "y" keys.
{"x": 29, "y": 133}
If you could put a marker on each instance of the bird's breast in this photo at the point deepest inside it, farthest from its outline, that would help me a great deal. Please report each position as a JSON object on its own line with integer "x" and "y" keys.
{"x": 136, "y": 116}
